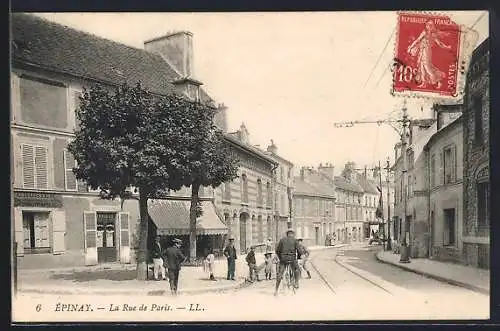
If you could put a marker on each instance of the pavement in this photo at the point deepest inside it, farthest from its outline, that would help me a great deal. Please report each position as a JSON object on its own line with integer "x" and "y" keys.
{"x": 119, "y": 279}
{"x": 474, "y": 279}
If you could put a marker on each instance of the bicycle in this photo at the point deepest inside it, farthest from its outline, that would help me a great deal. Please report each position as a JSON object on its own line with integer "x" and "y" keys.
{"x": 289, "y": 279}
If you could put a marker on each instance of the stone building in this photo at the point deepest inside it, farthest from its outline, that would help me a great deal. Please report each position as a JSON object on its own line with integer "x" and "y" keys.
{"x": 283, "y": 188}
{"x": 369, "y": 201}
{"x": 247, "y": 203}
{"x": 476, "y": 185}
{"x": 444, "y": 176}
{"x": 314, "y": 203}
{"x": 57, "y": 220}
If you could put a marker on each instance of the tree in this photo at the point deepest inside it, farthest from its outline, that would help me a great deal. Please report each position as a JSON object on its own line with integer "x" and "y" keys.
{"x": 132, "y": 138}
{"x": 208, "y": 160}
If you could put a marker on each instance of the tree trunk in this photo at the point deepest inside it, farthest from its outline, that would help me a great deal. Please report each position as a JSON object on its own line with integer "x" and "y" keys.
{"x": 142, "y": 254}
{"x": 192, "y": 221}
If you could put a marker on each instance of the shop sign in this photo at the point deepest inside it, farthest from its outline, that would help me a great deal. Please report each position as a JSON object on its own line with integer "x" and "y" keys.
{"x": 37, "y": 199}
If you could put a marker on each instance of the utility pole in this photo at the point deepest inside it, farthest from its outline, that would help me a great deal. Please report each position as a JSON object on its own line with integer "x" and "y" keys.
{"x": 381, "y": 189}
{"x": 405, "y": 249}
{"x": 389, "y": 245}
{"x": 405, "y": 121}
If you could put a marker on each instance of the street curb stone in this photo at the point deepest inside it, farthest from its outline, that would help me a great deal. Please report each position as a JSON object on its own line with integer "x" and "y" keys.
{"x": 434, "y": 276}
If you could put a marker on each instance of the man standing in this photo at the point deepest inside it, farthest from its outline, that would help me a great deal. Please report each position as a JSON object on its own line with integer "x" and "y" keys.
{"x": 287, "y": 250}
{"x": 303, "y": 256}
{"x": 230, "y": 254}
{"x": 157, "y": 255}
{"x": 252, "y": 265}
{"x": 174, "y": 260}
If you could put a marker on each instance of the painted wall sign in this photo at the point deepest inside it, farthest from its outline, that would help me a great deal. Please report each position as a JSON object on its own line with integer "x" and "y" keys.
{"x": 37, "y": 199}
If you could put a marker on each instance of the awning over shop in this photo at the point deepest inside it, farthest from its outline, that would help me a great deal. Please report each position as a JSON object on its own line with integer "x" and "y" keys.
{"x": 172, "y": 218}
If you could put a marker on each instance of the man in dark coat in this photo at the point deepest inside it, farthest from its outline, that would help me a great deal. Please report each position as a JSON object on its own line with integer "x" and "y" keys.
{"x": 174, "y": 259}
{"x": 230, "y": 254}
{"x": 287, "y": 250}
{"x": 252, "y": 265}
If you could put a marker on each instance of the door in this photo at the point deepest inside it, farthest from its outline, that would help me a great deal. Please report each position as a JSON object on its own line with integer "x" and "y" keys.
{"x": 316, "y": 235}
{"x": 243, "y": 233}
{"x": 106, "y": 237}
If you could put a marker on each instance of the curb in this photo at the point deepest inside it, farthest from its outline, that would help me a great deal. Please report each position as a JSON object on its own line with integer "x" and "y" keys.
{"x": 436, "y": 277}
{"x": 83, "y": 291}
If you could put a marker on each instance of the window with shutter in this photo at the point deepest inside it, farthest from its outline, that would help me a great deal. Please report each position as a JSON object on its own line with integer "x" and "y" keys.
{"x": 90, "y": 230}
{"x": 76, "y": 101}
{"x": 454, "y": 171}
{"x": 124, "y": 237}
{"x": 70, "y": 181}
{"x": 28, "y": 156}
{"x": 441, "y": 168}
{"x": 41, "y": 167}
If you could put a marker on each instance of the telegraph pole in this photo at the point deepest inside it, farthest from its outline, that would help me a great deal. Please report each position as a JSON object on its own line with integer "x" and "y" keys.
{"x": 405, "y": 249}
{"x": 381, "y": 189}
{"x": 389, "y": 245}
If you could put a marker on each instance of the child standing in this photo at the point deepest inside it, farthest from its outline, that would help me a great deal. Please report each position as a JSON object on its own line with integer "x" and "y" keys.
{"x": 269, "y": 265}
{"x": 209, "y": 263}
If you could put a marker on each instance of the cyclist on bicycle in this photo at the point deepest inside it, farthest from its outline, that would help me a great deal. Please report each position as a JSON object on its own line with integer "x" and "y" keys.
{"x": 287, "y": 250}
{"x": 303, "y": 256}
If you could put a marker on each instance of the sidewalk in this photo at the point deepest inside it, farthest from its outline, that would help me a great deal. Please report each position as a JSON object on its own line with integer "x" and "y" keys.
{"x": 471, "y": 278}
{"x": 119, "y": 279}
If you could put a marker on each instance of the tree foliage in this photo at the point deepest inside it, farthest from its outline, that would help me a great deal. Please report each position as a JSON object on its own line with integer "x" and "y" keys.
{"x": 130, "y": 137}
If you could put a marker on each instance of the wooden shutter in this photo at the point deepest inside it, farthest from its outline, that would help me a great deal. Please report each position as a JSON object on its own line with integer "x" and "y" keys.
{"x": 90, "y": 231}
{"x": 28, "y": 155}
{"x": 124, "y": 226}
{"x": 441, "y": 168}
{"x": 19, "y": 231}
{"x": 58, "y": 232}
{"x": 70, "y": 182}
{"x": 41, "y": 167}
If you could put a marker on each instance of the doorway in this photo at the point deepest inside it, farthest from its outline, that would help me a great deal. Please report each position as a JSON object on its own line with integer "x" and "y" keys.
{"x": 316, "y": 235}
{"x": 243, "y": 232}
{"x": 36, "y": 232}
{"x": 106, "y": 237}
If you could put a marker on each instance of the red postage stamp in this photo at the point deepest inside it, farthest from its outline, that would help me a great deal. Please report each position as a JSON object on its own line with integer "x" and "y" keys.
{"x": 428, "y": 56}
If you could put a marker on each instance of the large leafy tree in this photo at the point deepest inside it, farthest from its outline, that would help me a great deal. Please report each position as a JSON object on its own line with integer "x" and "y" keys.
{"x": 133, "y": 138}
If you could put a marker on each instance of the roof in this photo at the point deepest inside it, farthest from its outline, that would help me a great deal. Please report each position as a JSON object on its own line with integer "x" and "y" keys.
{"x": 368, "y": 185}
{"x": 346, "y": 185}
{"x": 313, "y": 185}
{"x": 172, "y": 217}
{"x": 231, "y": 138}
{"x": 39, "y": 42}
{"x": 439, "y": 133}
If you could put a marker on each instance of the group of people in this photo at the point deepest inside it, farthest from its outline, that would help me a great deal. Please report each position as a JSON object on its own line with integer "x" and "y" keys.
{"x": 167, "y": 262}
{"x": 288, "y": 251}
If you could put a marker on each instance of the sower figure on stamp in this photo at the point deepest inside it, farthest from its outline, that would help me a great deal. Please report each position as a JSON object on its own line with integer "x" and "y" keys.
{"x": 230, "y": 254}
{"x": 427, "y": 72}
{"x": 157, "y": 255}
{"x": 174, "y": 260}
{"x": 287, "y": 250}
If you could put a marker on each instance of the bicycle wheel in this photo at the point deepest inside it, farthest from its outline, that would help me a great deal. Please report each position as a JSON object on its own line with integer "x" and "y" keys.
{"x": 291, "y": 276}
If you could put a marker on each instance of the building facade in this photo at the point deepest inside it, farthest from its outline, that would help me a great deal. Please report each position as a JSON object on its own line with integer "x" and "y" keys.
{"x": 246, "y": 204}
{"x": 370, "y": 202}
{"x": 444, "y": 177}
{"x": 314, "y": 204}
{"x": 476, "y": 185}
{"x": 57, "y": 220}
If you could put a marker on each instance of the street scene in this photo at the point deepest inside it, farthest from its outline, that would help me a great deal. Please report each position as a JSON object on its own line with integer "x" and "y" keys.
{"x": 250, "y": 166}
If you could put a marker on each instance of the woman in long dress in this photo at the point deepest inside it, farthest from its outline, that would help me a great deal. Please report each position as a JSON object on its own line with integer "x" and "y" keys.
{"x": 427, "y": 72}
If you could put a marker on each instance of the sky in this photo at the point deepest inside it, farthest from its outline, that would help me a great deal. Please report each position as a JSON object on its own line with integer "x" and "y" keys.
{"x": 290, "y": 76}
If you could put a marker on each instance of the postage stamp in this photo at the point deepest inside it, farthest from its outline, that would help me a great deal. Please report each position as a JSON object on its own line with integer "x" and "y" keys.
{"x": 431, "y": 56}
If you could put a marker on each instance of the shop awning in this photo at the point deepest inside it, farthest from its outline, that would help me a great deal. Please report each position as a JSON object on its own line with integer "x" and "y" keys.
{"x": 172, "y": 218}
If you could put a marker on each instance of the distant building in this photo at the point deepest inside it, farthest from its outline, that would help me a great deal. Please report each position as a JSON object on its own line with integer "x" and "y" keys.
{"x": 370, "y": 202}
{"x": 314, "y": 203}
{"x": 476, "y": 133}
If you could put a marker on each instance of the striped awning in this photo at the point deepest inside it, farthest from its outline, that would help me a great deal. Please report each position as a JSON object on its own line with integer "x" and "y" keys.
{"x": 172, "y": 218}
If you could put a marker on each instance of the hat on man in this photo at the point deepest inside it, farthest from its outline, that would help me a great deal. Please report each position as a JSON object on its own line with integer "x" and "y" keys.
{"x": 290, "y": 231}
{"x": 231, "y": 239}
{"x": 299, "y": 239}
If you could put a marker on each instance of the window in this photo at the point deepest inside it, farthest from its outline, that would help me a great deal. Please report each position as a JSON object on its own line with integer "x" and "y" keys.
{"x": 70, "y": 182}
{"x": 35, "y": 168}
{"x": 277, "y": 202}
{"x": 36, "y": 232}
{"x": 433, "y": 170}
{"x": 477, "y": 106}
{"x": 449, "y": 167}
{"x": 449, "y": 227}
{"x": 366, "y": 201}
{"x": 306, "y": 231}
{"x": 259, "y": 192}
{"x": 244, "y": 186}
{"x": 76, "y": 101}
{"x": 43, "y": 102}
{"x": 227, "y": 191}
{"x": 483, "y": 210}
{"x": 283, "y": 205}
{"x": 282, "y": 174}
{"x": 269, "y": 194}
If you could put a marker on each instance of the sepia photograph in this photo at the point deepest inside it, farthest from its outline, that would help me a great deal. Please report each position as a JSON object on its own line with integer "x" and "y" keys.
{"x": 250, "y": 166}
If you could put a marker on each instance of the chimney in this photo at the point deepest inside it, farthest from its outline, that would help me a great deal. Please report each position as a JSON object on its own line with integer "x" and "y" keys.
{"x": 220, "y": 118}
{"x": 176, "y": 48}
{"x": 328, "y": 169}
{"x": 244, "y": 136}
{"x": 272, "y": 148}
